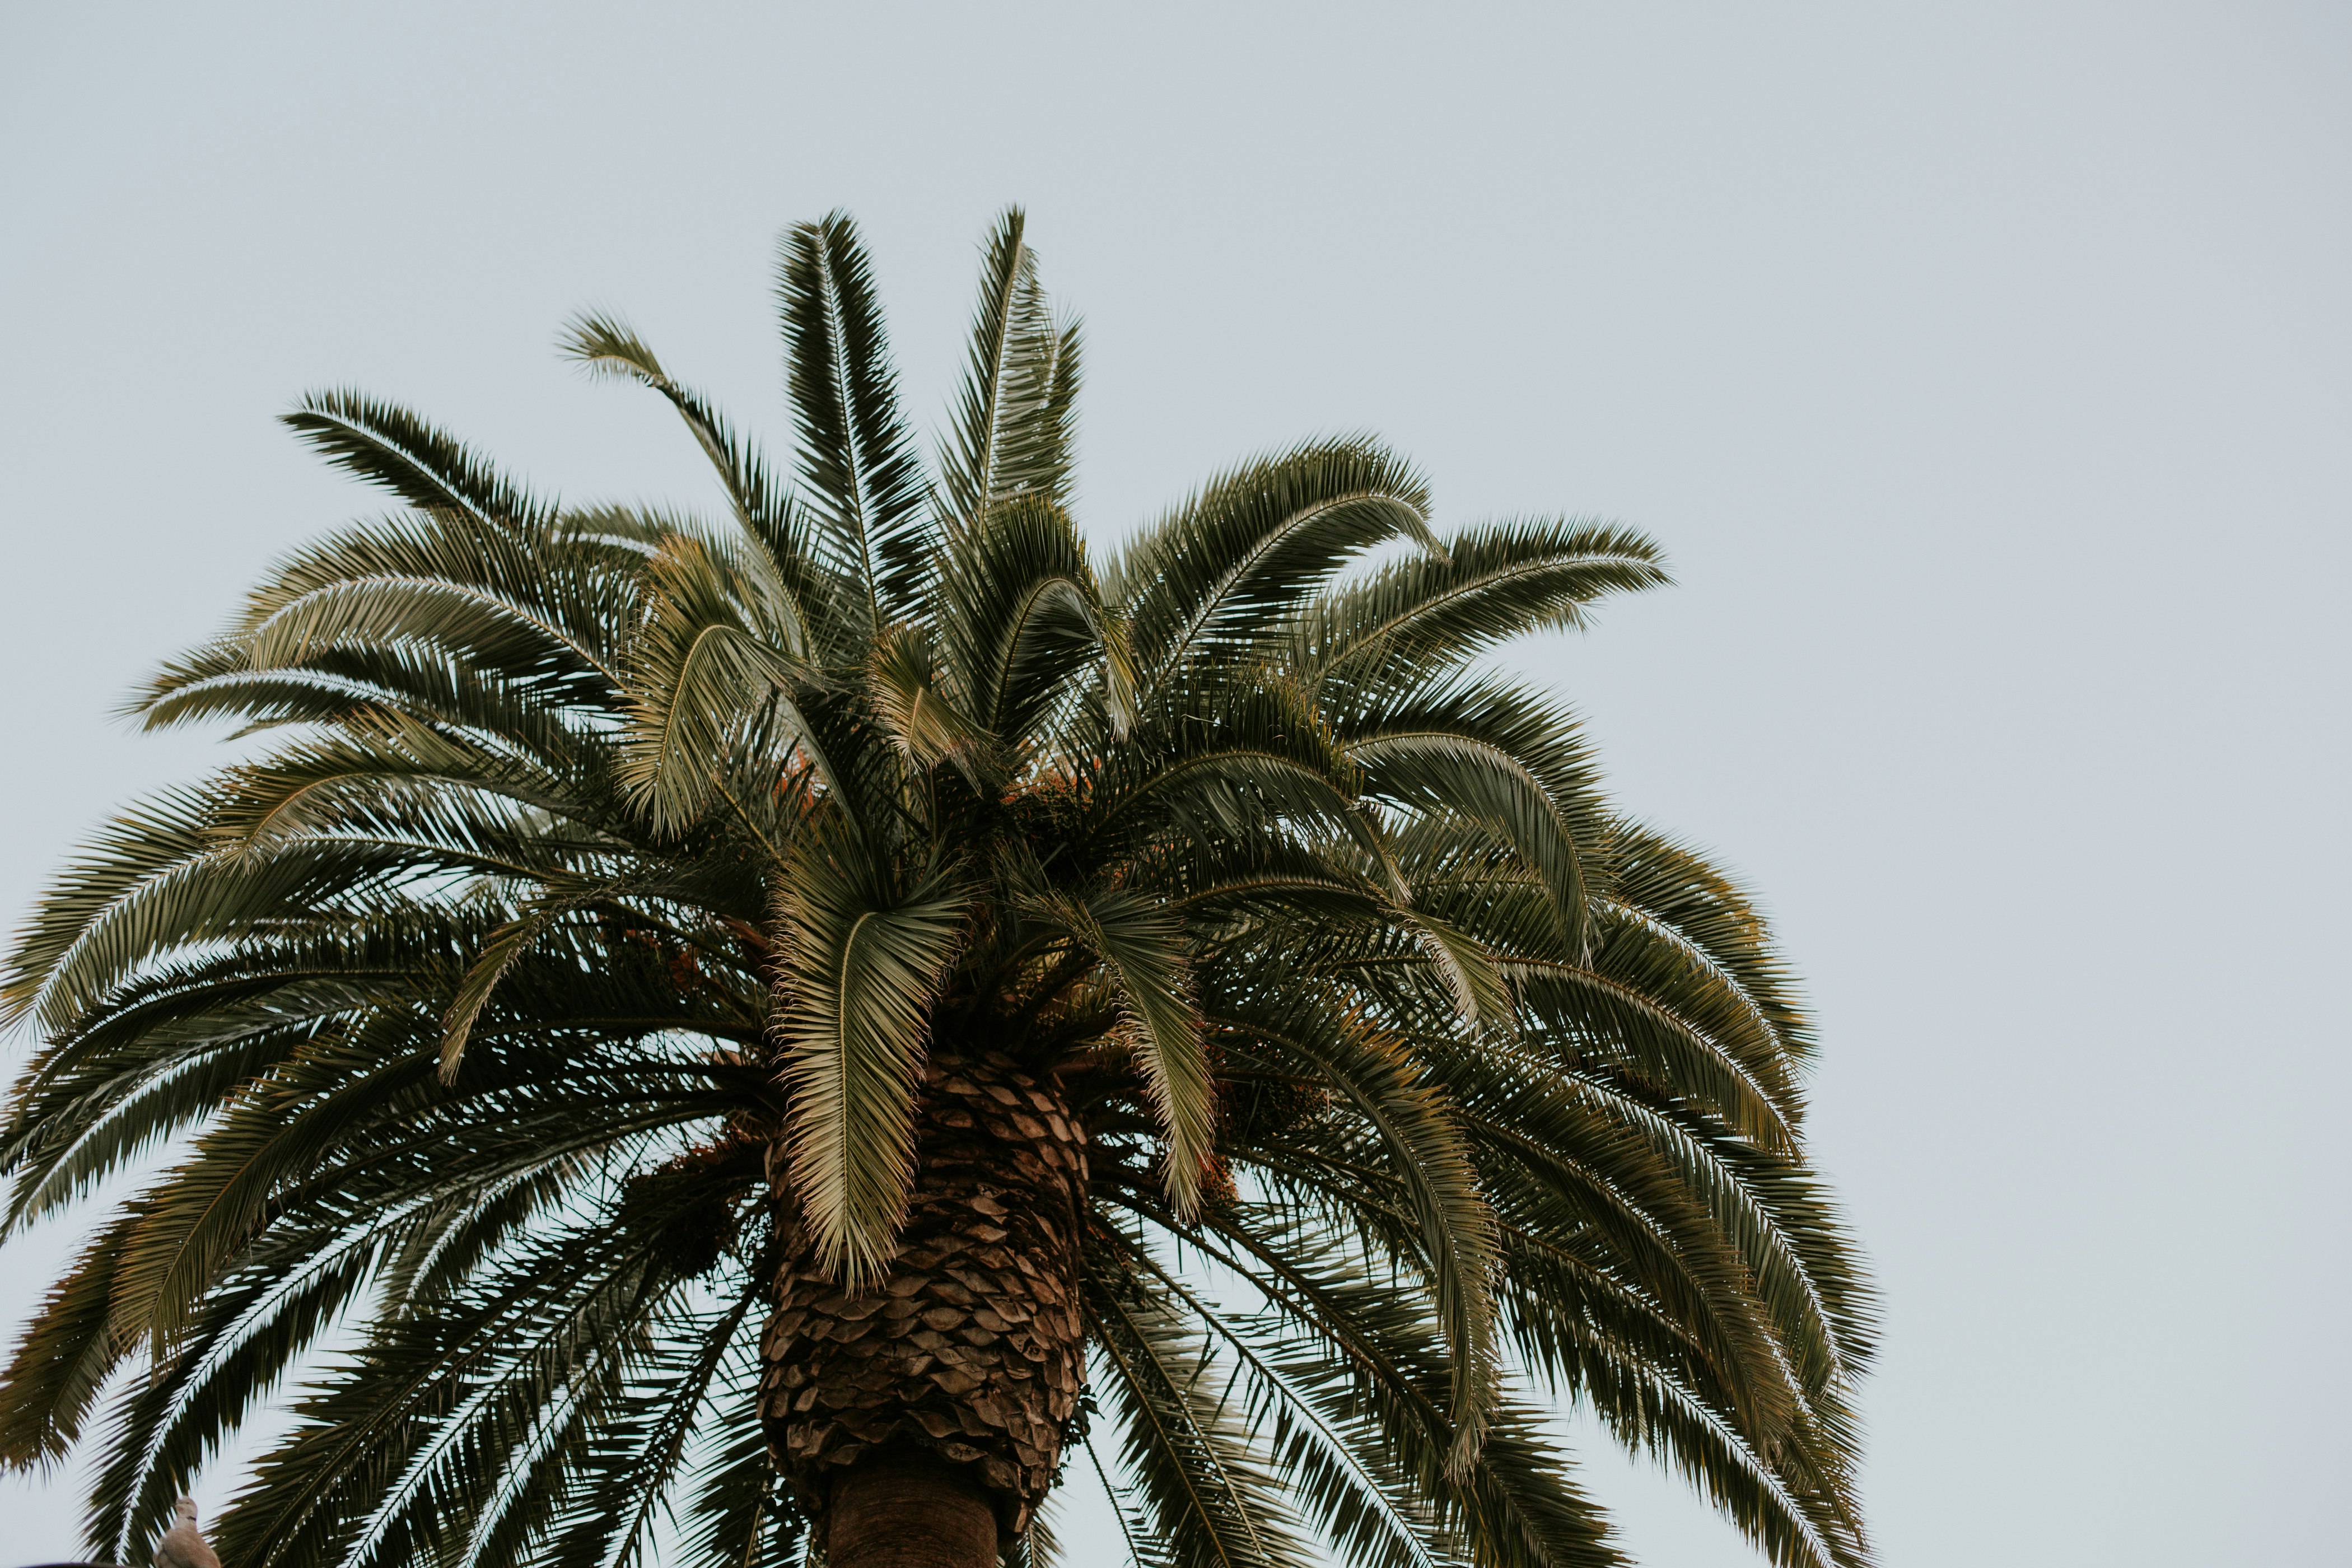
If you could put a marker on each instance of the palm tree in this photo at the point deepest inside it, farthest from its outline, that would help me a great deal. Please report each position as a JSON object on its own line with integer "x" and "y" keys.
{"x": 802, "y": 1022}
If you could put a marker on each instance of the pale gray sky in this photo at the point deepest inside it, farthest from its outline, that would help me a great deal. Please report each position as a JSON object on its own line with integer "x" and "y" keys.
{"x": 1986, "y": 368}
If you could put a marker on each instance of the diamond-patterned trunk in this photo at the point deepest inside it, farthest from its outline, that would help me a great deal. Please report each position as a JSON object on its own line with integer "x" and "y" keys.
{"x": 969, "y": 1349}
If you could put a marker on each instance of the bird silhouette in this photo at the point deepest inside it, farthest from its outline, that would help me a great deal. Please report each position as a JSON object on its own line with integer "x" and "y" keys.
{"x": 182, "y": 1545}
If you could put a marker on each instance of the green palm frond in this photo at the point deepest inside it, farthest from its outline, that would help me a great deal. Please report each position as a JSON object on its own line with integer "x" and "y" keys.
{"x": 858, "y": 460}
{"x": 1208, "y": 1500}
{"x": 905, "y": 688}
{"x": 389, "y": 446}
{"x": 1448, "y": 770}
{"x": 1014, "y": 416}
{"x": 1237, "y": 557}
{"x": 1159, "y": 1026}
{"x": 762, "y": 503}
{"x": 1425, "y": 1147}
{"x": 721, "y": 638}
{"x": 63, "y": 1361}
{"x": 861, "y": 969}
{"x": 1022, "y": 620}
{"x": 1425, "y": 614}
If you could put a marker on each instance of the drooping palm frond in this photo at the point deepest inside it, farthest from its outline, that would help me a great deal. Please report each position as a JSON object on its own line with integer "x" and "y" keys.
{"x": 868, "y": 965}
{"x": 1422, "y": 616}
{"x": 1240, "y": 556}
{"x": 388, "y": 445}
{"x": 600, "y": 882}
{"x": 1204, "y": 1492}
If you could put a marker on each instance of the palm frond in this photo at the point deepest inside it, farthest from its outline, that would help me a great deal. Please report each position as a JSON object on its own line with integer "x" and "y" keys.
{"x": 861, "y": 970}
{"x": 1427, "y": 1150}
{"x": 1242, "y": 553}
{"x": 1430, "y": 613}
{"x": 63, "y": 1361}
{"x": 1013, "y": 416}
{"x": 1160, "y": 1022}
{"x": 387, "y": 446}
{"x": 722, "y": 639}
{"x": 1206, "y": 1499}
{"x": 857, "y": 457}
{"x": 1022, "y": 618}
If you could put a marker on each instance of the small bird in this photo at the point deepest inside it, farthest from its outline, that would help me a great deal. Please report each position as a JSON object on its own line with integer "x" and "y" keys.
{"x": 182, "y": 1545}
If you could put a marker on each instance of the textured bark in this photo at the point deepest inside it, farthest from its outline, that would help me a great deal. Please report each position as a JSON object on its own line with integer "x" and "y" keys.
{"x": 907, "y": 1510}
{"x": 969, "y": 1352}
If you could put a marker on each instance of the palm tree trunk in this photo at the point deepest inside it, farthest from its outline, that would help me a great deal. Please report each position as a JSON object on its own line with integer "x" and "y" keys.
{"x": 945, "y": 1388}
{"x": 909, "y": 1512}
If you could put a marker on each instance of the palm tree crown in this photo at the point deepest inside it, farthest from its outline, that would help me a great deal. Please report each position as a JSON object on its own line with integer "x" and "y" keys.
{"x": 685, "y": 1009}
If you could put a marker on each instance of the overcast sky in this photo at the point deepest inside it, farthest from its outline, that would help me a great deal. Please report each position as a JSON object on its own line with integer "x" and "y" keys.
{"x": 1985, "y": 368}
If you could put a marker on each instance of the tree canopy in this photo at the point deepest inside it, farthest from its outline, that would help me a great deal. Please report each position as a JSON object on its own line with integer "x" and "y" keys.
{"x": 606, "y": 879}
